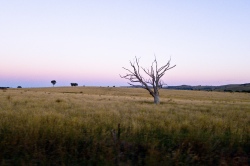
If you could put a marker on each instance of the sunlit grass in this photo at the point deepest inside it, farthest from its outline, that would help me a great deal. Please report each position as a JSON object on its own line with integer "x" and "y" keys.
{"x": 73, "y": 125}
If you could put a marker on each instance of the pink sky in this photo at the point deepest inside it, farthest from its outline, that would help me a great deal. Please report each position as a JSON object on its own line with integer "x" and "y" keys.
{"x": 90, "y": 41}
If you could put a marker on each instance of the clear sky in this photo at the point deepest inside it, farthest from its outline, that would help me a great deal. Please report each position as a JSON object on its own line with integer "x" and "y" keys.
{"x": 89, "y": 41}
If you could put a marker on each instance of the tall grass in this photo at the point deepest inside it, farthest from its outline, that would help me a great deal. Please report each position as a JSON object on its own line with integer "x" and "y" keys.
{"x": 73, "y": 126}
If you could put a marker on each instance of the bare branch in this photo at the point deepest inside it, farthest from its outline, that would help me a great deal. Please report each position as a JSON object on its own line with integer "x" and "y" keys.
{"x": 154, "y": 74}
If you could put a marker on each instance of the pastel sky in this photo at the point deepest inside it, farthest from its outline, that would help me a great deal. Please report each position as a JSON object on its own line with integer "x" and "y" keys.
{"x": 89, "y": 41}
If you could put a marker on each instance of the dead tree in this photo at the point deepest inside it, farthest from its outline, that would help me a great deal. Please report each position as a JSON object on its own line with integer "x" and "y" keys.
{"x": 153, "y": 83}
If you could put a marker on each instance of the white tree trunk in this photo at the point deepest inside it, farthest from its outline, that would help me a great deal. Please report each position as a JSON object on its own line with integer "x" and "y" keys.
{"x": 156, "y": 99}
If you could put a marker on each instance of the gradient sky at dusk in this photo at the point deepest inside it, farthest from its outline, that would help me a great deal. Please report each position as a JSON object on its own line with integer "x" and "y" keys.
{"x": 89, "y": 42}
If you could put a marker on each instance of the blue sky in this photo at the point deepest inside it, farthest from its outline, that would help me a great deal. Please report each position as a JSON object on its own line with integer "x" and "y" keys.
{"x": 89, "y": 42}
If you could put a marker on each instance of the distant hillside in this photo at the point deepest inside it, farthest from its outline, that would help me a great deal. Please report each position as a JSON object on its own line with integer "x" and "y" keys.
{"x": 225, "y": 88}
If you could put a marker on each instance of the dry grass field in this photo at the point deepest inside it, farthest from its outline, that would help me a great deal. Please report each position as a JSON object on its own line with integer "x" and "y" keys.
{"x": 79, "y": 126}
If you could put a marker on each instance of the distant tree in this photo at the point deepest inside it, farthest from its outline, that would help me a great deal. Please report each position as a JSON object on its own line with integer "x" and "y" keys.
{"x": 74, "y": 84}
{"x": 53, "y": 82}
{"x": 19, "y": 87}
{"x": 154, "y": 83}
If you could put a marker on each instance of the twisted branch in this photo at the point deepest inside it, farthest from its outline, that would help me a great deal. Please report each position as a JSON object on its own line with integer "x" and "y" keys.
{"x": 154, "y": 74}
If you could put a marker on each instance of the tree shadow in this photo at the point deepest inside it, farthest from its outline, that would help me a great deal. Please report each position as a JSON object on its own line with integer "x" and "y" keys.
{"x": 152, "y": 102}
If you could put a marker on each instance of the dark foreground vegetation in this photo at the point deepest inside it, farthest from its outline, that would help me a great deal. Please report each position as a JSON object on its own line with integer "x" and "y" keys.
{"x": 106, "y": 126}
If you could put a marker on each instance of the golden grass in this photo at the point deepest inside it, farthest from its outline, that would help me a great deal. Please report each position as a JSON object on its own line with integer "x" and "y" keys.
{"x": 73, "y": 124}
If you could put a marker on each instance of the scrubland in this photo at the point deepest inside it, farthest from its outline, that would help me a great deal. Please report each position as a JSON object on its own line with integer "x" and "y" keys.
{"x": 79, "y": 126}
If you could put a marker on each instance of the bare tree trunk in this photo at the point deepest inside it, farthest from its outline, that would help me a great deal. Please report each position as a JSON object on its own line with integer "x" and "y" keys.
{"x": 156, "y": 99}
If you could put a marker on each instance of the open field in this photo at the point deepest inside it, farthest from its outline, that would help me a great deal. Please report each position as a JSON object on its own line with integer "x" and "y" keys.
{"x": 79, "y": 125}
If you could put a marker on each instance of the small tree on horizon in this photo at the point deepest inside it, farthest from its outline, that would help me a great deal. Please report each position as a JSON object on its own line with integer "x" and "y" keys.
{"x": 74, "y": 84}
{"x": 53, "y": 82}
{"x": 154, "y": 83}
